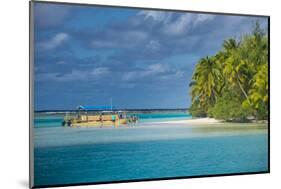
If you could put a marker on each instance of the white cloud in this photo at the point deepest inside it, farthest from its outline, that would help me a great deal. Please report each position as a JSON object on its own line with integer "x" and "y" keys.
{"x": 179, "y": 74}
{"x": 153, "y": 45}
{"x": 124, "y": 39}
{"x": 151, "y": 70}
{"x": 135, "y": 35}
{"x": 179, "y": 25}
{"x": 158, "y": 16}
{"x": 61, "y": 62}
{"x": 74, "y": 75}
{"x": 156, "y": 68}
{"x": 54, "y": 42}
{"x": 185, "y": 22}
{"x": 131, "y": 76}
{"x": 98, "y": 72}
{"x": 204, "y": 17}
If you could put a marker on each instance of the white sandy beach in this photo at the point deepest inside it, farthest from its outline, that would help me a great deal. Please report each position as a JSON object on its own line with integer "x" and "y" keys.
{"x": 194, "y": 121}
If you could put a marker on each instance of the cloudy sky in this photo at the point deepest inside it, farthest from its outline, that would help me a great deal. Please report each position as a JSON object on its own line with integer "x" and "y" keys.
{"x": 139, "y": 58}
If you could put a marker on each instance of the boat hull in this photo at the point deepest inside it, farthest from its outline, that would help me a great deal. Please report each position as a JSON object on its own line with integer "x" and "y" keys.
{"x": 115, "y": 123}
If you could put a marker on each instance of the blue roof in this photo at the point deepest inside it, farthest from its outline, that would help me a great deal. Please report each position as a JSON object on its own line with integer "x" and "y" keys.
{"x": 95, "y": 107}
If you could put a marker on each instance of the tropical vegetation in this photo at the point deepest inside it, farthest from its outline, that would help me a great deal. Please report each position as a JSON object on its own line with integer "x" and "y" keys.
{"x": 233, "y": 84}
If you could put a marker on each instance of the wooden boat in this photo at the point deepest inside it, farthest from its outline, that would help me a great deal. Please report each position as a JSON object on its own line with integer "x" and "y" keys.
{"x": 98, "y": 116}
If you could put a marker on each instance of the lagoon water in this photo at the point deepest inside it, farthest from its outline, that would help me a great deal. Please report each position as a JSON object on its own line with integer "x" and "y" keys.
{"x": 147, "y": 150}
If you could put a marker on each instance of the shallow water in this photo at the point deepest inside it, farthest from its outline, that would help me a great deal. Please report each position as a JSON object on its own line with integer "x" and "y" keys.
{"x": 147, "y": 150}
{"x": 56, "y": 120}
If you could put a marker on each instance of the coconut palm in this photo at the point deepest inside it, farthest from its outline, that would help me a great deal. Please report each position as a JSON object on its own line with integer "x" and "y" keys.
{"x": 205, "y": 81}
{"x": 230, "y": 45}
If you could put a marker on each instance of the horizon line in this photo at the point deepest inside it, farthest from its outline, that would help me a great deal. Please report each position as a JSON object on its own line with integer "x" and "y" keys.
{"x": 57, "y": 110}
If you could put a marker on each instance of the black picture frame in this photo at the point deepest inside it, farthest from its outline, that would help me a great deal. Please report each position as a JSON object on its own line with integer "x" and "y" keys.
{"x": 31, "y": 109}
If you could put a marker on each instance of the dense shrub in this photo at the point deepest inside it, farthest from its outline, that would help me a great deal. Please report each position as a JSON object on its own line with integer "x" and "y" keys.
{"x": 229, "y": 107}
{"x": 196, "y": 111}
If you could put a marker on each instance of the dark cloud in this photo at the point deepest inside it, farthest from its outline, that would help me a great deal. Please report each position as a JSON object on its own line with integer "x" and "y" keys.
{"x": 156, "y": 35}
{"x": 143, "y": 59}
{"x": 50, "y": 16}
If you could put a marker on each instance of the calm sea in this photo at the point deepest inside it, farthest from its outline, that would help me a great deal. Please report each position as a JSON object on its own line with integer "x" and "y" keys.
{"x": 147, "y": 150}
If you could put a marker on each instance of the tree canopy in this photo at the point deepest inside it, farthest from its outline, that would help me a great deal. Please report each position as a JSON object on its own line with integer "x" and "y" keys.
{"x": 233, "y": 84}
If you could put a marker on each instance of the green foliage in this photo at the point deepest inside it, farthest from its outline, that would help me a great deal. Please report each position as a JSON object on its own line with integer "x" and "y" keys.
{"x": 197, "y": 111}
{"x": 240, "y": 67}
{"x": 229, "y": 108}
{"x": 206, "y": 75}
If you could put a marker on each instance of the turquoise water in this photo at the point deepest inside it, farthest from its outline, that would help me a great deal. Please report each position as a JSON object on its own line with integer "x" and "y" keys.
{"x": 154, "y": 117}
{"x": 48, "y": 121}
{"x": 149, "y": 150}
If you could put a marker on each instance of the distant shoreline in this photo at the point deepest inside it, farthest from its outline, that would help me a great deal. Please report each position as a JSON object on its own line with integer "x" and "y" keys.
{"x": 119, "y": 109}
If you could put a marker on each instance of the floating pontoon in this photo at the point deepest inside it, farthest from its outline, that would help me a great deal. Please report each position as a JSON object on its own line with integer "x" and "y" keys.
{"x": 98, "y": 116}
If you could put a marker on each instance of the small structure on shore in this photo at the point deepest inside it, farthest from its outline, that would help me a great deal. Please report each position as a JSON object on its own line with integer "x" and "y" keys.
{"x": 98, "y": 116}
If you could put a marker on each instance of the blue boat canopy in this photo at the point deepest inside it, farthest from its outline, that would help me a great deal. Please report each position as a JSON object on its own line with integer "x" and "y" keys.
{"x": 95, "y": 108}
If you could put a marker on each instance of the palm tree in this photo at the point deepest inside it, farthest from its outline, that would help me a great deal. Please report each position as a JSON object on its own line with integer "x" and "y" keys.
{"x": 258, "y": 94}
{"x": 235, "y": 68}
{"x": 230, "y": 44}
{"x": 205, "y": 81}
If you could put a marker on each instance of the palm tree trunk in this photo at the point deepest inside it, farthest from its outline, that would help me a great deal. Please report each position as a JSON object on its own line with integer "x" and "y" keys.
{"x": 241, "y": 88}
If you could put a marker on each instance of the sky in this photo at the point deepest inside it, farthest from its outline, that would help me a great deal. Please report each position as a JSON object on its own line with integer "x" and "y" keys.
{"x": 139, "y": 58}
